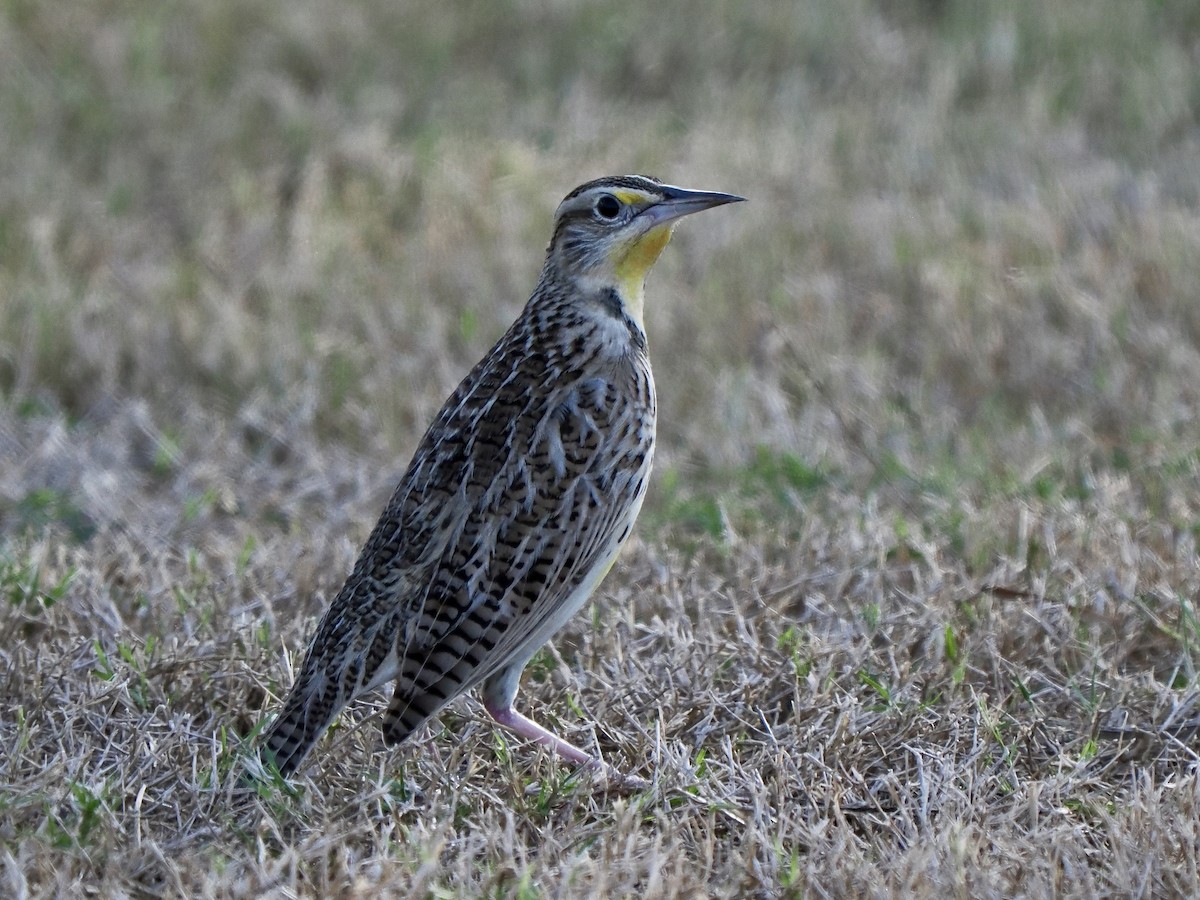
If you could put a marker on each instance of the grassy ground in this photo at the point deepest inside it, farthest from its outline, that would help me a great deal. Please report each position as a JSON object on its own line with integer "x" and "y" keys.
{"x": 914, "y": 605}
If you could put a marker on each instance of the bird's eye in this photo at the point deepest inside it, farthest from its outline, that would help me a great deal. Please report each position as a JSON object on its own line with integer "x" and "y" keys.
{"x": 608, "y": 207}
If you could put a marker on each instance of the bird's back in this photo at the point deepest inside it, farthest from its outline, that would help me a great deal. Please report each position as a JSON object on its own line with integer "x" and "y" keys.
{"x": 515, "y": 503}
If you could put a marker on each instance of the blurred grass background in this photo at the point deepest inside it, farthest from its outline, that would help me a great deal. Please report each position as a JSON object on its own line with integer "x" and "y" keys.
{"x": 971, "y": 221}
{"x": 247, "y": 248}
{"x": 967, "y": 217}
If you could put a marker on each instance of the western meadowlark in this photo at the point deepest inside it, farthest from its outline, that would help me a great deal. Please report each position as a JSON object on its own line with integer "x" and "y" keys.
{"x": 518, "y": 497}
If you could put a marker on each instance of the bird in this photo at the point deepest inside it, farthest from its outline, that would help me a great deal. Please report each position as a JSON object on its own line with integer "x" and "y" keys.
{"x": 517, "y": 499}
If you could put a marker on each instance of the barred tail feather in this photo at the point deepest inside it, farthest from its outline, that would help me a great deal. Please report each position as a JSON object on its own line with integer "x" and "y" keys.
{"x": 408, "y": 711}
{"x": 309, "y": 710}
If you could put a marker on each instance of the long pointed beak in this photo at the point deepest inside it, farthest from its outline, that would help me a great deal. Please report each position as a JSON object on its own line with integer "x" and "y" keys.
{"x": 681, "y": 202}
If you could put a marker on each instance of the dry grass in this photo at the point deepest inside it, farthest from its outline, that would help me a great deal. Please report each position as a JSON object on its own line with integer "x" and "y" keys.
{"x": 913, "y": 608}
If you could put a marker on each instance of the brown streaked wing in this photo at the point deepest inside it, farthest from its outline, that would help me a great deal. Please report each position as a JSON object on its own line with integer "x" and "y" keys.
{"x": 520, "y": 555}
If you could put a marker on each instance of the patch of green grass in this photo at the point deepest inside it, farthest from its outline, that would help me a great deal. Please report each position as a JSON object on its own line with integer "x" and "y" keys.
{"x": 21, "y": 583}
{"x": 74, "y": 826}
{"x": 44, "y": 507}
{"x": 887, "y": 700}
{"x": 783, "y": 475}
{"x": 773, "y": 487}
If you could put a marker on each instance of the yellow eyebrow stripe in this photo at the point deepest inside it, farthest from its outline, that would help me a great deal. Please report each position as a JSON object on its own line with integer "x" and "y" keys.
{"x": 630, "y": 198}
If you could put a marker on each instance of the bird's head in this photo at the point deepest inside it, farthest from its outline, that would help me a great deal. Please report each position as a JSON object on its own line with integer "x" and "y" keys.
{"x": 610, "y": 231}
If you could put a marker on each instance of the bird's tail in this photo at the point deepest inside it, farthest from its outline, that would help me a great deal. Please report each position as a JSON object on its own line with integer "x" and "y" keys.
{"x": 309, "y": 709}
{"x": 409, "y": 710}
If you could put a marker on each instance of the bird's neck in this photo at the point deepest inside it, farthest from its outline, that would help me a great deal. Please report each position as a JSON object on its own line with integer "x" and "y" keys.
{"x": 632, "y": 295}
{"x": 602, "y": 303}
{"x": 615, "y": 308}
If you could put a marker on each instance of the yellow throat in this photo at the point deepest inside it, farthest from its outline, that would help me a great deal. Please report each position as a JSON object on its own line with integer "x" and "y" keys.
{"x": 632, "y": 267}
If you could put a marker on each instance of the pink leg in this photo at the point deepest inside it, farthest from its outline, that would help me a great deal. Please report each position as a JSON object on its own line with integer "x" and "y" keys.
{"x": 525, "y": 727}
{"x": 530, "y": 730}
